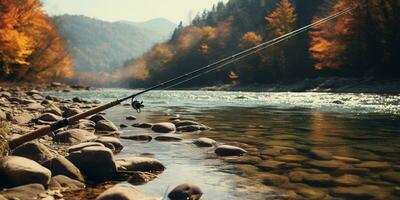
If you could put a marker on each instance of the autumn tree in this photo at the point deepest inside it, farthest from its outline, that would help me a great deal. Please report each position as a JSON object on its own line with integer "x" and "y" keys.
{"x": 250, "y": 39}
{"x": 283, "y": 19}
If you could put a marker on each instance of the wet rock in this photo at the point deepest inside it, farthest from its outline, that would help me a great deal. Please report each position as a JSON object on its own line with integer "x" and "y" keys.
{"x": 80, "y": 146}
{"x": 164, "y": 127}
{"x": 168, "y": 138}
{"x": 297, "y": 176}
{"x": 360, "y": 192}
{"x": 63, "y": 182}
{"x": 123, "y": 192}
{"x": 142, "y": 125}
{"x": 105, "y": 125}
{"x": 69, "y": 112}
{"x": 391, "y": 176}
{"x": 49, "y": 117}
{"x": 186, "y": 123}
{"x": 352, "y": 170}
{"x": 16, "y": 171}
{"x": 347, "y": 159}
{"x": 109, "y": 133}
{"x": 140, "y": 178}
{"x": 131, "y": 117}
{"x": 96, "y": 162}
{"x": 78, "y": 100}
{"x": 31, "y": 191}
{"x": 192, "y": 128}
{"x": 243, "y": 160}
{"x": 321, "y": 154}
{"x": 185, "y": 191}
{"x": 147, "y": 138}
{"x": 348, "y": 180}
{"x": 74, "y": 136}
{"x": 268, "y": 165}
{"x": 318, "y": 179}
{"x": 111, "y": 143}
{"x": 53, "y": 110}
{"x": 328, "y": 165}
{"x": 34, "y": 151}
{"x": 205, "y": 142}
{"x": 374, "y": 165}
{"x": 96, "y": 118}
{"x": 85, "y": 124}
{"x": 278, "y": 150}
{"x": 291, "y": 158}
{"x": 274, "y": 179}
{"x": 123, "y": 126}
{"x": 142, "y": 164}
{"x": 61, "y": 166}
{"x": 228, "y": 150}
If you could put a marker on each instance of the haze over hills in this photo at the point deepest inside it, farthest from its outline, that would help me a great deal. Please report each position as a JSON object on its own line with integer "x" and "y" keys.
{"x": 101, "y": 46}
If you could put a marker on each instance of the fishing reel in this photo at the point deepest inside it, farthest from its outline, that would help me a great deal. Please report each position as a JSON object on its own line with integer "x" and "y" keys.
{"x": 137, "y": 105}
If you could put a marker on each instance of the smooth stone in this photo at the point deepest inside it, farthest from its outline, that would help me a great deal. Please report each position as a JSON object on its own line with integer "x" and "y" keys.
{"x": 168, "y": 138}
{"x": 374, "y": 165}
{"x": 147, "y": 138}
{"x": 53, "y": 110}
{"x": 140, "y": 178}
{"x": 69, "y": 112}
{"x": 253, "y": 160}
{"x": 96, "y": 162}
{"x": 24, "y": 192}
{"x": 3, "y": 115}
{"x": 35, "y": 107}
{"x": 278, "y": 150}
{"x": 310, "y": 193}
{"x": 274, "y": 179}
{"x": 105, "y": 125}
{"x": 291, "y": 158}
{"x": 318, "y": 179}
{"x": 228, "y": 150}
{"x": 192, "y": 128}
{"x": 96, "y": 118}
{"x": 111, "y": 143}
{"x": 142, "y": 164}
{"x": 185, "y": 191}
{"x": 131, "y": 117}
{"x": 321, "y": 154}
{"x": 205, "y": 142}
{"x": 142, "y": 125}
{"x": 34, "y": 151}
{"x": 49, "y": 117}
{"x": 123, "y": 192}
{"x": 123, "y": 126}
{"x": 297, "y": 176}
{"x": 17, "y": 171}
{"x": 61, "y": 166}
{"x": 63, "y": 182}
{"x": 328, "y": 165}
{"x": 352, "y": 170}
{"x": 74, "y": 136}
{"x": 186, "y": 123}
{"x": 23, "y": 118}
{"x": 391, "y": 176}
{"x": 164, "y": 127}
{"x": 270, "y": 165}
{"x": 360, "y": 192}
{"x": 348, "y": 180}
{"x": 80, "y": 146}
{"x": 85, "y": 125}
{"x": 347, "y": 159}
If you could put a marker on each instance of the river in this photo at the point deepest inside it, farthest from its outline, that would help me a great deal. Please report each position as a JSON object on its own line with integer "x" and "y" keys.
{"x": 344, "y": 145}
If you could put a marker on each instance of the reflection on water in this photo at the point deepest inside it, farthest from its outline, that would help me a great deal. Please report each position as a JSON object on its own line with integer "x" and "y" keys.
{"x": 312, "y": 149}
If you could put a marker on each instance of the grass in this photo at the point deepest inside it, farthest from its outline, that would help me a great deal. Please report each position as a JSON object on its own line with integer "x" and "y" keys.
{"x": 4, "y": 149}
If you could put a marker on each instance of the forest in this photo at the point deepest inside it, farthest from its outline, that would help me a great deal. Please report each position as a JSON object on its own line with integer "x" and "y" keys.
{"x": 363, "y": 43}
{"x": 30, "y": 46}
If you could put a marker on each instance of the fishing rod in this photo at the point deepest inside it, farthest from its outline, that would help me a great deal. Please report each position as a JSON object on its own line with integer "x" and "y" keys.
{"x": 48, "y": 129}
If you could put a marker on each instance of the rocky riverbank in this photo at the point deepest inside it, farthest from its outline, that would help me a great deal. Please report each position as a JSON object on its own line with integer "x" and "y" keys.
{"x": 79, "y": 162}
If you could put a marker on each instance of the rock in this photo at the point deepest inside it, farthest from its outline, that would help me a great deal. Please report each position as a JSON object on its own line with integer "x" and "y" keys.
{"x": 74, "y": 136}
{"x": 185, "y": 191}
{"x": 291, "y": 158}
{"x": 63, "y": 182}
{"x": 23, "y": 118}
{"x": 3, "y": 115}
{"x": 374, "y": 165}
{"x": 348, "y": 180}
{"x": 123, "y": 192}
{"x": 34, "y": 151}
{"x": 321, "y": 154}
{"x": 17, "y": 171}
{"x": 186, "y": 123}
{"x": 56, "y": 84}
{"x": 80, "y": 146}
{"x": 85, "y": 124}
{"x": 123, "y": 126}
{"x": 270, "y": 165}
{"x": 318, "y": 179}
{"x": 168, "y": 138}
{"x": 61, "y": 166}
{"x": 205, "y": 142}
{"x": 49, "y": 117}
{"x": 391, "y": 176}
{"x": 53, "y": 110}
{"x": 35, "y": 106}
{"x": 131, "y": 117}
{"x": 147, "y": 138}
{"x": 274, "y": 179}
{"x": 69, "y": 112}
{"x": 142, "y": 125}
{"x": 328, "y": 165}
{"x": 297, "y": 176}
{"x": 192, "y": 128}
{"x": 360, "y": 192}
{"x": 243, "y": 160}
{"x": 142, "y": 164}
{"x": 228, "y": 150}
{"x": 347, "y": 159}
{"x": 96, "y": 162}
{"x": 164, "y": 127}
{"x": 278, "y": 150}
{"x": 98, "y": 117}
{"x": 311, "y": 193}
{"x": 140, "y": 178}
{"x": 78, "y": 100}
{"x": 111, "y": 143}
{"x": 105, "y": 125}
{"x": 25, "y": 192}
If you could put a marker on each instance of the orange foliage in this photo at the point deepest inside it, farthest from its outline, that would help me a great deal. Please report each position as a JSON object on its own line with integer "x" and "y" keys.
{"x": 283, "y": 19}
{"x": 30, "y": 46}
{"x": 250, "y": 39}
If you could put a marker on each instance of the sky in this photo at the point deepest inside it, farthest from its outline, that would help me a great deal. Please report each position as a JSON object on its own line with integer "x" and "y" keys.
{"x": 132, "y": 10}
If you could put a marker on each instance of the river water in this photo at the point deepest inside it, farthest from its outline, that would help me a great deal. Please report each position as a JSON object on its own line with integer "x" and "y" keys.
{"x": 308, "y": 145}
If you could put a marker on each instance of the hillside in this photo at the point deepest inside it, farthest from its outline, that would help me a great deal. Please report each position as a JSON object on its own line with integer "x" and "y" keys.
{"x": 100, "y": 46}
{"x": 160, "y": 26}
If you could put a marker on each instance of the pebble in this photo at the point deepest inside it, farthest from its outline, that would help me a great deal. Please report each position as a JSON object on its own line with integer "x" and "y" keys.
{"x": 374, "y": 165}
{"x": 274, "y": 179}
{"x": 291, "y": 158}
{"x": 328, "y": 165}
{"x": 347, "y": 159}
{"x": 164, "y": 127}
{"x": 185, "y": 191}
{"x": 168, "y": 138}
{"x": 142, "y": 125}
{"x": 348, "y": 180}
{"x": 228, "y": 150}
{"x": 205, "y": 142}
